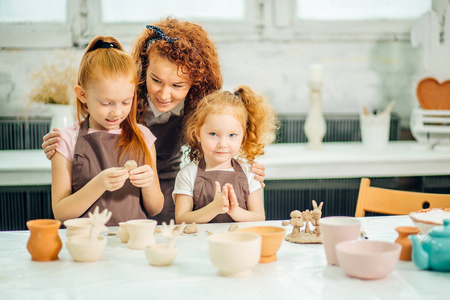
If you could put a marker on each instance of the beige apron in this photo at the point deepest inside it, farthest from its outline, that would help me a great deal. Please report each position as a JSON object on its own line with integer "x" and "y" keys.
{"x": 94, "y": 153}
{"x": 205, "y": 187}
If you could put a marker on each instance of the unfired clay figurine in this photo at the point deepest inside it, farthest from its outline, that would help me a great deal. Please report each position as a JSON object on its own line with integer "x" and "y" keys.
{"x": 90, "y": 248}
{"x": 233, "y": 227}
{"x": 191, "y": 228}
{"x": 164, "y": 254}
{"x": 305, "y": 218}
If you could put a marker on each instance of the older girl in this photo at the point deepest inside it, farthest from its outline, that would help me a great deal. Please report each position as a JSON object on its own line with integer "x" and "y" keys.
{"x": 87, "y": 168}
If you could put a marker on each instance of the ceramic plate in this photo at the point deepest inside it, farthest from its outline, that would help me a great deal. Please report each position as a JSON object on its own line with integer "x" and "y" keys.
{"x": 426, "y": 219}
{"x": 433, "y": 95}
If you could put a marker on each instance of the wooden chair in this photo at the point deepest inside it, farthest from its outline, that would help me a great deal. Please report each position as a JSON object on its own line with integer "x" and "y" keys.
{"x": 395, "y": 202}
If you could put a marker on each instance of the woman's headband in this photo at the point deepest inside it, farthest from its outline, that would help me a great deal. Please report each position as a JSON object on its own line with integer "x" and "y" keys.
{"x": 160, "y": 35}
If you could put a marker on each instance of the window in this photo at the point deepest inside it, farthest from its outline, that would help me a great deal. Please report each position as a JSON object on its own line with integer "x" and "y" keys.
{"x": 351, "y": 10}
{"x": 24, "y": 23}
{"x": 67, "y": 23}
{"x": 42, "y": 11}
{"x": 150, "y": 10}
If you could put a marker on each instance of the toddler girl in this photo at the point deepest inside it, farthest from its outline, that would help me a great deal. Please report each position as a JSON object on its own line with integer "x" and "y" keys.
{"x": 215, "y": 187}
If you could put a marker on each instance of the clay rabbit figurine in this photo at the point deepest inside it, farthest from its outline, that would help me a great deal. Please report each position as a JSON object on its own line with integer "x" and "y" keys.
{"x": 316, "y": 215}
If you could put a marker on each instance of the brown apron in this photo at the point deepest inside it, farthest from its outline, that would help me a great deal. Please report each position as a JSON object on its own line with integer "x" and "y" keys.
{"x": 94, "y": 153}
{"x": 168, "y": 157}
{"x": 205, "y": 187}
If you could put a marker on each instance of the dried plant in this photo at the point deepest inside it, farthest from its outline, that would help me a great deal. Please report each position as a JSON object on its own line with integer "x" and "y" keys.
{"x": 53, "y": 83}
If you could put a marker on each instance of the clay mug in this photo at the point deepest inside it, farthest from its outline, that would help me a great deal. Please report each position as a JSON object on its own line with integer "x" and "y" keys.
{"x": 336, "y": 230}
{"x": 141, "y": 233}
{"x": 44, "y": 243}
{"x": 78, "y": 226}
{"x": 123, "y": 234}
{"x": 404, "y": 241}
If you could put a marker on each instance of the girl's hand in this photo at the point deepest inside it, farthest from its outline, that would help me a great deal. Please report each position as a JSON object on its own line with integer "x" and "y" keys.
{"x": 113, "y": 178}
{"x": 142, "y": 176}
{"x": 232, "y": 198}
{"x": 221, "y": 202}
{"x": 259, "y": 171}
{"x": 50, "y": 142}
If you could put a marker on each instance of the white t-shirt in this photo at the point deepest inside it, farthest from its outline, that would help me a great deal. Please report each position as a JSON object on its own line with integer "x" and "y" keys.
{"x": 69, "y": 136}
{"x": 184, "y": 183}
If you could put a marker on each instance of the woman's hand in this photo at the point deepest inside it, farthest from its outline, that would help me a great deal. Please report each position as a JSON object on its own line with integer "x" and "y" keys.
{"x": 113, "y": 178}
{"x": 50, "y": 142}
{"x": 259, "y": 171}
{"x": 142, "y": 176}
{"x": 221, "y": 202}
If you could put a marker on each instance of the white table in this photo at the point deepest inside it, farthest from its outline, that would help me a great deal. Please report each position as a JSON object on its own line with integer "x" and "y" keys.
{"x": 301, "y": 272}
{"x": 282, "y": 161}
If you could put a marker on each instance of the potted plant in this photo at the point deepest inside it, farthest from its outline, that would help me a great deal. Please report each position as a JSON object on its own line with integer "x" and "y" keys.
{"x": 52, "y": 84}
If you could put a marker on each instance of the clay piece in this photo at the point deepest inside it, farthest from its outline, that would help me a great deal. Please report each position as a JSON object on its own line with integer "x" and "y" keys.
{"x": 130, "y": 165}
{"x": 164, "y": 254}
{"x": 233, "y": 227}
{"x": 90, "y": 248}
{"x": 302, "y": 223}
{"x": 191, "y": 228}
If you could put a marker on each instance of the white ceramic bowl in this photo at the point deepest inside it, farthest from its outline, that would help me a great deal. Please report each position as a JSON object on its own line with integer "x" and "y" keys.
{"x": 82, "y": 249}
{"x": 426, "y": 219}
{"x": 79, "y": 226}
{"x": 160, "y": 254}
{"x": 235, "y": 253}
{"x": 368, "y": 259}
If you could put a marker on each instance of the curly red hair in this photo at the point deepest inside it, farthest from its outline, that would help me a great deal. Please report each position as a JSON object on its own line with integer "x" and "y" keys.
{"x": 256, "y": 115}
{"x": 193, "y": 52}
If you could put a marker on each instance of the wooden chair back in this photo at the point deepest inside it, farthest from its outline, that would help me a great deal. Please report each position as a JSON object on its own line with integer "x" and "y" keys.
{"x": 395, "y": 202}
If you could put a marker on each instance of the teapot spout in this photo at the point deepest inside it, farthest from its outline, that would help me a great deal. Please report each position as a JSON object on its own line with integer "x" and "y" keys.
{"x": 419, "y": 255}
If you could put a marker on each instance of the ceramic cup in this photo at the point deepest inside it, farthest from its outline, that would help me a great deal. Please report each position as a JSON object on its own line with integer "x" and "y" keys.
{"x": 375, "y": 131}
{"x": 123, "y": 234}
{"x": 141, "y": 233}
{"x": 160, "y": 254}
{"x": 336, "y": 230}
{"x": 235, "y": 253}
{"x": 83, "y": 249}
{"x": 79, "y": 226}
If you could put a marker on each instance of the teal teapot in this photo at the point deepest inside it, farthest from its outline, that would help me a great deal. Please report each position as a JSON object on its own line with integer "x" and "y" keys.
{"x": 433, "y": 252}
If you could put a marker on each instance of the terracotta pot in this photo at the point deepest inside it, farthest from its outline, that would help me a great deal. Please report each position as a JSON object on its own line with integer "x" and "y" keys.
{"x": 404, "y": 241}
{"x": 44, "y": 243}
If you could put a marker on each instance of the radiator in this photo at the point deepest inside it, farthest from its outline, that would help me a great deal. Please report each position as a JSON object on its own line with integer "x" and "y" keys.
{"x": 19, "y": 134}
{"x": 19, "y": 204}
{"x": 339, "y": 196}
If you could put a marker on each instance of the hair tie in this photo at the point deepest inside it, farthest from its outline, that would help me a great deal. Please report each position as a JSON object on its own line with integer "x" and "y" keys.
{"x": 104, "y": 45}
{"x": 237, "y": 94}
{"x": 160, "y": 35}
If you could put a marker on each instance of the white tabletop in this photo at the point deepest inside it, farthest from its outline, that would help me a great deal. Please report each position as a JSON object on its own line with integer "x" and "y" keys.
{"x": 301, "y": 272}
{"x": 282, "y": 161}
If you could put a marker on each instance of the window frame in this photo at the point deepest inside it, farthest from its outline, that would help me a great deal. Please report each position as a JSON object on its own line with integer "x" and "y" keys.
{"x": 265, "y": 20}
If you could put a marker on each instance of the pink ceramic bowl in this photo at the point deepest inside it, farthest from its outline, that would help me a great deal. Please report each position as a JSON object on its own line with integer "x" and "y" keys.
{"x": 367, "y": 259}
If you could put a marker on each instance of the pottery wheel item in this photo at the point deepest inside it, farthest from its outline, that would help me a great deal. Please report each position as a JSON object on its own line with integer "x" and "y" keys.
{"x": 433, "y": 95}
{"x": 130, "y": 165}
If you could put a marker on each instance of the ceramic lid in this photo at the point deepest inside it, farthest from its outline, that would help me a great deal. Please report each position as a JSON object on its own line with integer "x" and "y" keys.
{"x": 441, "y": 231}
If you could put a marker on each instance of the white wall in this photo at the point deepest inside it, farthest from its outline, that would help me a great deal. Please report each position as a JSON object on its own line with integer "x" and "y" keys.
{"x": 355, "y": 74}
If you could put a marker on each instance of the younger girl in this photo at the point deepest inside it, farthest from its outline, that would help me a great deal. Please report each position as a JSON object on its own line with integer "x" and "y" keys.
{"x": 224, "y": 125}
{"x": 87, "y": 169}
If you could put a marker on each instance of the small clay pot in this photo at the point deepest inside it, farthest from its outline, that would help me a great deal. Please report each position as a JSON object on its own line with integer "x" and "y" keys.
{"x": 44, "y": 243}
{"x": 404, "y": 241}
{"x": 123, "y": 234}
